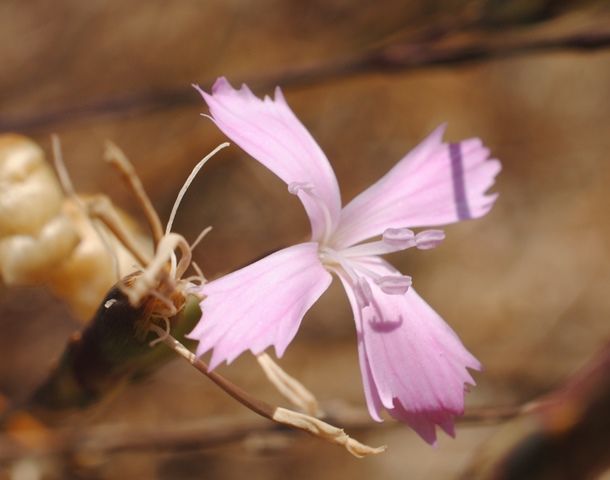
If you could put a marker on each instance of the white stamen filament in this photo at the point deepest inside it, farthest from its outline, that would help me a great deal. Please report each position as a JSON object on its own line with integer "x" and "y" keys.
{"x": 393, "y": 240}
{"x": 362, "y": 289}
{"x": 295, "y": 187}
{"x": 389, "y": 284}
{"x": 363, "y": 292}
{"x": 331, "y": 258}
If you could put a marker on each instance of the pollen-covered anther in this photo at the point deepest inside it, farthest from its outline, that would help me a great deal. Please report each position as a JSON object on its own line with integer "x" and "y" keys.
{"x": 394, "y": 284}
{"x": 399, "y": 238}
{"x": 429, "y": 239}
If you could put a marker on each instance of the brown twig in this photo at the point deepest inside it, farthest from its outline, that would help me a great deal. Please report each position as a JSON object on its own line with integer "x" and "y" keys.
{"x": 198, "y": 434}
{"x": 565, "y": 434}
{"x": 448, "y": 48}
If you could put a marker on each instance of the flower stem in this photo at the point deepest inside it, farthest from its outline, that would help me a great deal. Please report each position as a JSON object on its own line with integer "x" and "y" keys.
{"x": 280, "y": 415}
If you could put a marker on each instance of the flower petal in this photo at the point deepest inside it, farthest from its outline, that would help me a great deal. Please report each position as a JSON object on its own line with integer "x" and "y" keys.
{"x": 270, "y": 132}
{"x": 435, "y": 184}
{"x": 412, "y": 362}
{"x": 260, "y": 305}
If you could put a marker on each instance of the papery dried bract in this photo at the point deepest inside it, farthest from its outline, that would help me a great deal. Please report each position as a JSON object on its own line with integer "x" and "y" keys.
{"x": 35, "y": 234}
{"x": 46, "y": 237}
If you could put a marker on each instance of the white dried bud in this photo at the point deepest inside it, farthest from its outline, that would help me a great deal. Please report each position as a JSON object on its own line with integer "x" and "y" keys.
{"x": 30, "y": 194}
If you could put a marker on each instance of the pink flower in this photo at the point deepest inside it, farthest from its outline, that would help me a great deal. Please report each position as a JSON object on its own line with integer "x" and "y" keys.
{"x": 412, "y": 363}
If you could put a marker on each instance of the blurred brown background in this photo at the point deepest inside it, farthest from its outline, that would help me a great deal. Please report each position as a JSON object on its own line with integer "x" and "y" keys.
{"x": 526, "y": 288}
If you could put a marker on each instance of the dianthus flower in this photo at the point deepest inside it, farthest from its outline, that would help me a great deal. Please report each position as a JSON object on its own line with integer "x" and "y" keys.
{"x": 412, "y": 362}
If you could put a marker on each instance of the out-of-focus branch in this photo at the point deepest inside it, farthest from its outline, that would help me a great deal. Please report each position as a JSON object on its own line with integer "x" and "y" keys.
{"x": 565, "y": 434}
{"x": 452, "y": 45}
{"x": 114, "y": 438}
{"x": 29, "y": 438}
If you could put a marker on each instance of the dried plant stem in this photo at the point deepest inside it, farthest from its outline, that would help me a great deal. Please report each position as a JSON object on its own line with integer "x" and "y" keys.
{"x": 115, "y": 156}
{"x": 321, "y": 429}
{"x": 293, "y": 390}
{"x": 258, "y": 406}
{"x": 101, "y": 209}
{"x": 452, "y": 44}
{"x": 280, "y": 415}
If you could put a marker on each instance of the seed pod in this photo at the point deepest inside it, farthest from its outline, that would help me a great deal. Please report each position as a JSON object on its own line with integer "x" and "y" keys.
{"x": 109, "y": 352}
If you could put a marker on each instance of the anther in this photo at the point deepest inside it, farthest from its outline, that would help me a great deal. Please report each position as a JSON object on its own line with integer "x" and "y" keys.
{"x": 429, "y": 239}
{"x": 394, "y": 284}
{"x": 400, "y": 238}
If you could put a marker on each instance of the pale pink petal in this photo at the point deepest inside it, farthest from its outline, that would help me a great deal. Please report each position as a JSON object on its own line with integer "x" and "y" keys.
{"x": 435, "y": 184}
{"x": 373, "y": 401}
{"x": 413, "y": 364}
{"x": 270, "y": 132}
{"x": 260, "y": 305}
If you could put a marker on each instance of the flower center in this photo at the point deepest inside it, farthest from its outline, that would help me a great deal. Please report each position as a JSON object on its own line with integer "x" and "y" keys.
{"x": 351, "y": 262}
